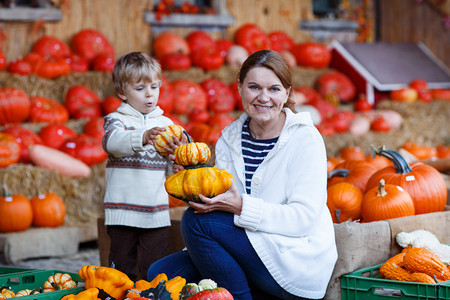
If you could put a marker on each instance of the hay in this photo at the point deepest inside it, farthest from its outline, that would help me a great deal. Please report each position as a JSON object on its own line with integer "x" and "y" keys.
{"x": 83, "y": 197}
{"x": 56, "y": 89}
{"x": 424, "y": 123}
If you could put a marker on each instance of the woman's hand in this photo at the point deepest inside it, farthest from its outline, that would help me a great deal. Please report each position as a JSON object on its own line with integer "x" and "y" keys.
{"x": 229, "y": 201}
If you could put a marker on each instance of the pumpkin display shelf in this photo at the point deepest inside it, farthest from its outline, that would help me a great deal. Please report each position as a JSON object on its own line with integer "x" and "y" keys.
{"x": 83, "y": 196}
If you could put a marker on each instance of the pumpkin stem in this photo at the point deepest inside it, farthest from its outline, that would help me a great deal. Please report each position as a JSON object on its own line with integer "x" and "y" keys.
{"x": 401, "y": 166}
{"x": 337, "y": 213}
{"x": 338, "y": 172}
{"x": 381, "y": 188}
{"x": 5, "y": 191}
{"x": 35, "y": 290}
{"x": 55, "y": 286}
{"x": 188, "y": 136}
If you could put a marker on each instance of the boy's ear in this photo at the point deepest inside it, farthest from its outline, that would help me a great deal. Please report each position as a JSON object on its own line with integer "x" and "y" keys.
{"x": 122, "y": 97}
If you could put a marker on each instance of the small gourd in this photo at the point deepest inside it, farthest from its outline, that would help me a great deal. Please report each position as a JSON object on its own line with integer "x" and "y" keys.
{"x": 6, "y": 293}
{"x": 192, "y": 181}
{"x": 162, "y": 140}
{"x": 394, "y": 269}
{"x": 28, "y": 292}
{"x": 59, "y": 281}
{"x": 425, "y": 261}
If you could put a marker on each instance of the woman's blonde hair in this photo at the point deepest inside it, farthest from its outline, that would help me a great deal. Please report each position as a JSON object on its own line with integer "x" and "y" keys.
{"x": 135, "y": 67}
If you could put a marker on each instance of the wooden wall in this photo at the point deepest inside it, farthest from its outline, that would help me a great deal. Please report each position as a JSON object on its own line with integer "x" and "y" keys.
{"x": 272, "y": 15}
{"x": 121, "y": 21}
{"x": 414, "y": 21}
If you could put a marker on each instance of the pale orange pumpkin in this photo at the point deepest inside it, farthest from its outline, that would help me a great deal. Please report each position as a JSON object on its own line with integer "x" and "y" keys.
{"x": 162, "y": 140}
{"x": 59, "y": 281}
{"x": 49, "y": 210}
{"x": 192, "y": 154}
{"x": 344, "y": 202}
{"x": 425, "y": 184}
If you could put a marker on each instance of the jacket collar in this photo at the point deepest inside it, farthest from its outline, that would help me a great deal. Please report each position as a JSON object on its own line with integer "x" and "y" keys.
{"x": 127, "y": 109}
{"x": 232, "y": 133}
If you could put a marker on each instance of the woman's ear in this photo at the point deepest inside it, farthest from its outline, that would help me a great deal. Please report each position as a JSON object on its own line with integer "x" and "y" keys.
{"x": 239, "y": 88}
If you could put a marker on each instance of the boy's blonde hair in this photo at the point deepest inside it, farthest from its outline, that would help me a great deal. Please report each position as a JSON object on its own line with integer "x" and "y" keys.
{"x": 135, "y": 67}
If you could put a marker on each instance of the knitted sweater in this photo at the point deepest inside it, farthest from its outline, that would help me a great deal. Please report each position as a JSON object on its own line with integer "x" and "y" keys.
{"x": 285, "y": 217}
{"x": 134, "y": 174}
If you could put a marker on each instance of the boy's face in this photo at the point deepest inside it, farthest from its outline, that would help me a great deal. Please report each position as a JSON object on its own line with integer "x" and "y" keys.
{"x": 142, "y": 95}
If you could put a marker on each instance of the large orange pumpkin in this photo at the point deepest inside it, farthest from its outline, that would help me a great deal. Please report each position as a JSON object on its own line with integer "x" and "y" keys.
{"x": 169, "y": 43}
{"x": 425, "y": 184}
{"x": 48, "y": 210}
{"x": 16, "y": 213}
{"x": 14, "y": 105}
{"x": 344, "y": 202}
{"x": 387, "y": 201}
{"x": 356, "y": 172}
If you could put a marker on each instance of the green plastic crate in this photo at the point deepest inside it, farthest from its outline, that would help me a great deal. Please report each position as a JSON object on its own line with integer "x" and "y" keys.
{"x": 8, "y": 271}
{"x": 33, "y": 279}
{"x": 366, "y": 284}
{"x": 444, "y": 290}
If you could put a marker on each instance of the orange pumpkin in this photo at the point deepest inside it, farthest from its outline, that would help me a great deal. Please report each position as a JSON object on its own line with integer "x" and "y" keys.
{"x": 356, "y": 172}
{"x": 379, "y": 162}
{"x": 16, "y": 213}
{"x": 421, "y": 152}
{"x": 352, "y": 153}
{"x": 49, "y": 210}
{"x": 387, "y": 201}
{"x": 332, "y": 162}
{"x": 9, "y": 150}
{"x": 344, "y": 202}
{"x": 425, "y": 184}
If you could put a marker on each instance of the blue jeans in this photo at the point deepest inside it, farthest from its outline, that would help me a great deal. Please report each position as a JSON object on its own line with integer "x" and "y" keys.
{"x": 219, "y": 250}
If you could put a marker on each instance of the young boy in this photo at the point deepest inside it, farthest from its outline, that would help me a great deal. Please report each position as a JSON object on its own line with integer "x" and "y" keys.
{"x": 136, "y": 203}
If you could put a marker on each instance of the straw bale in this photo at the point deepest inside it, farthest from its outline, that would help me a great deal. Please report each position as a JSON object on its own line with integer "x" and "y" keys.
{"x": 99, "y": 82}
{"x": 83, "y": 197}
{"x": 424, "y": 123}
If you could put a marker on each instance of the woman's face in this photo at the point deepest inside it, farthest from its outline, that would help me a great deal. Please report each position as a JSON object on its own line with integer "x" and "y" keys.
{"x": 263, "y": 95}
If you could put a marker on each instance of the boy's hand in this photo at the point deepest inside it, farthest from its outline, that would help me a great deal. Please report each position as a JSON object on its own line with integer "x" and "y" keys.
{"x": 177, "y": 168}
{"x": 151, "y": 134}
{"x": 172, "y": 145}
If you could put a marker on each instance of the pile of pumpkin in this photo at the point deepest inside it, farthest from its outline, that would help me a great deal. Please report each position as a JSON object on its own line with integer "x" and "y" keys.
{"x": 197, "y": 176}
{"x": 415, "y": 264}
{"x": 383, "y": 187}
{"x": 105, "y": 282}
{"x": 55, "y": 282}
{"x": 17, "y": 213}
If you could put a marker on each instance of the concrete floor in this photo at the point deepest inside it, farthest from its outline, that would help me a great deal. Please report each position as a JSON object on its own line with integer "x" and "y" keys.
{"x": 88, "y": 254}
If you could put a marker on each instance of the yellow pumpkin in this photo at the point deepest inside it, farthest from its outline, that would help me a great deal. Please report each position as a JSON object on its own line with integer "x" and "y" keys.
{"x": 192, "y": 181}
{"x": 192, "y": 154}
{"x": 162, "y": 140}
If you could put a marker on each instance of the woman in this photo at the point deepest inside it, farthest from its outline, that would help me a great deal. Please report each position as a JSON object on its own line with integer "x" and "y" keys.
{"x": 270, "y": 235}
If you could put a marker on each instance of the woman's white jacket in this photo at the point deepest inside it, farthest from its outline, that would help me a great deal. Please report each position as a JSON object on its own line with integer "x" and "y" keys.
{"x": 286, "y": 217}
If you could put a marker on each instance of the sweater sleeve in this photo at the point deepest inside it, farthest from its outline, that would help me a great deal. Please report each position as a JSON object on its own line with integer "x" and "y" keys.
{"x": 119, "y": 141}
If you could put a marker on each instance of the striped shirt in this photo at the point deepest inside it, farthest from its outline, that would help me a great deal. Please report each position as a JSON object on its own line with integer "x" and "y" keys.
{"x": 254, "y": 151}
